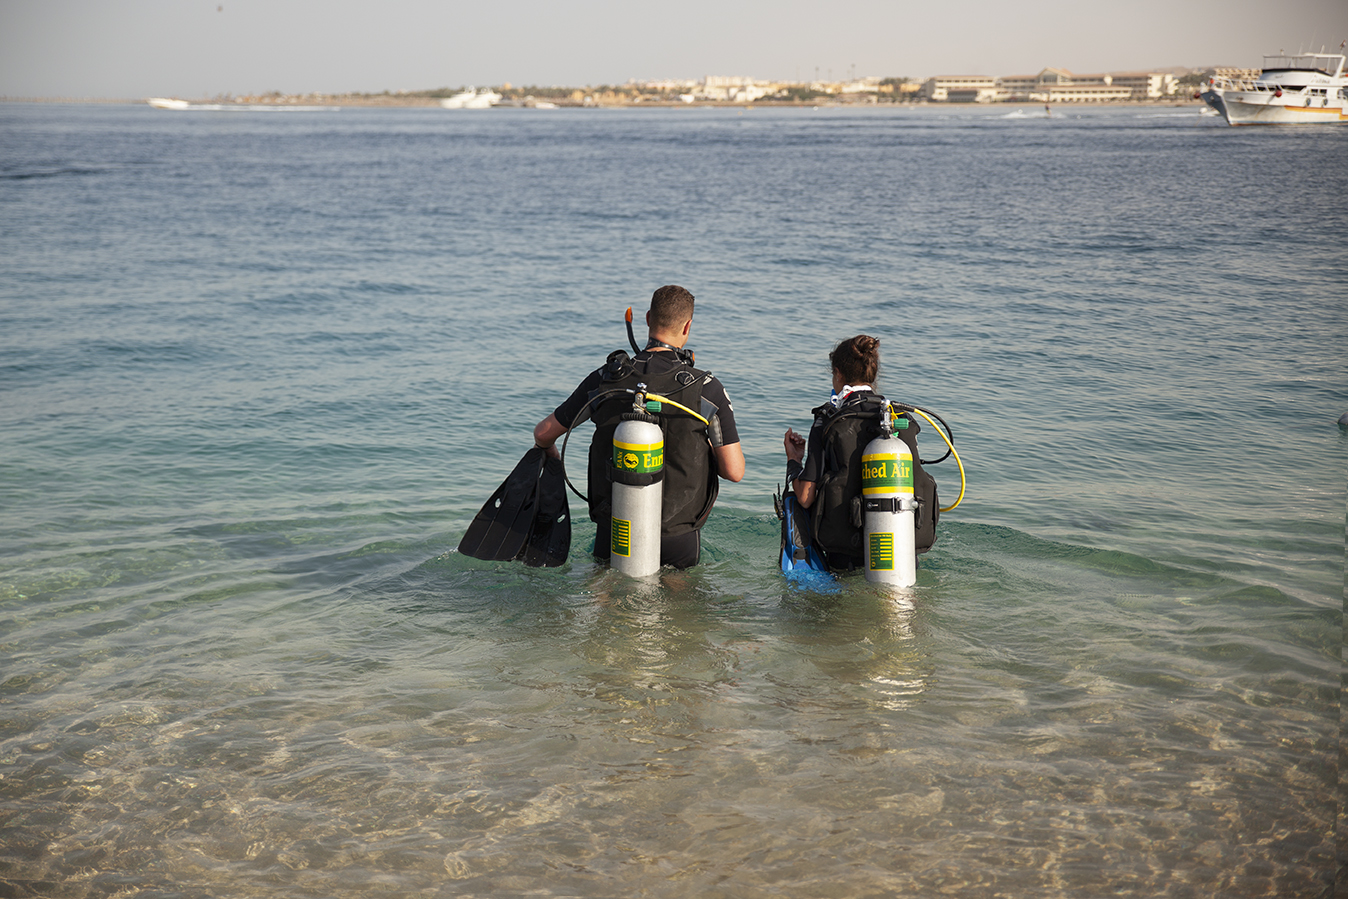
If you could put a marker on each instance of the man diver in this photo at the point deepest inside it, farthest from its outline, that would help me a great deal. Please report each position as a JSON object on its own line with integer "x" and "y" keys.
{"x": 696, "y": 455}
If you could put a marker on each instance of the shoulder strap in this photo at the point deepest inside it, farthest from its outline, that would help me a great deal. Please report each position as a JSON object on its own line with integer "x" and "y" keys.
{"x": 863, "y": 408}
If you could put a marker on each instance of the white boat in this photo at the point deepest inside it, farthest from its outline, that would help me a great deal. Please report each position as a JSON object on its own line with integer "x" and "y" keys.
{"x": 471, "y": 99}
{"x": 1307, "y": 88}
{"x": 165, "y": 103}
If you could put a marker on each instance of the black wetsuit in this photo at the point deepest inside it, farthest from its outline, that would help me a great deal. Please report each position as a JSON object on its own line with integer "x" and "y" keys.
{"x": 690, "y": 481}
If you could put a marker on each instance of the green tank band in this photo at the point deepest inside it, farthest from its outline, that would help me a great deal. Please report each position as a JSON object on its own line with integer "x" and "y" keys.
{"x": 887, "y": 473}
{"x": 634, "y": 458}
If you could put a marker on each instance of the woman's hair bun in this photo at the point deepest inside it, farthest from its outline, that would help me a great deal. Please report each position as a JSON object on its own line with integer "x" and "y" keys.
{"x": 857, "y": 359}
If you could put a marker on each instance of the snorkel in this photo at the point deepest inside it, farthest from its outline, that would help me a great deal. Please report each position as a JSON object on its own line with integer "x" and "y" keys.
{"x": 683, "y": 353}
{"x": 631, "y": 337}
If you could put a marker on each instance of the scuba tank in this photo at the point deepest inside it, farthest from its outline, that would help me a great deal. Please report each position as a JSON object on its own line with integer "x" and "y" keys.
{"x": 890, "y": 508}
{"x": 638, "y": 463}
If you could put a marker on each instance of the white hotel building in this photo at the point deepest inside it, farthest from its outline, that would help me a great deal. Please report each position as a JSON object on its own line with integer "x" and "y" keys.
{"x": 1049, "y": 86}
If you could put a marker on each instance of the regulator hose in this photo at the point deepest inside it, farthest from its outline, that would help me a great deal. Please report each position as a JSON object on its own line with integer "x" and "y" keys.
{"x": 581, "y": 415}
{"x": 949, "y": 440}
{"x": 951, "y": 445}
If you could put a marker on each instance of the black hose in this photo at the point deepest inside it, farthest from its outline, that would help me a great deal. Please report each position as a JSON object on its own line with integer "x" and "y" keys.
{"x": 580, "y": 419}
{"x": 949, "y": 433}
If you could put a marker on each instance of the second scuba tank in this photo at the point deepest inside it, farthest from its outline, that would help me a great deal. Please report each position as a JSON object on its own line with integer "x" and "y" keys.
{"x": 890, "y": 507}
{"x": 638, "y": 473}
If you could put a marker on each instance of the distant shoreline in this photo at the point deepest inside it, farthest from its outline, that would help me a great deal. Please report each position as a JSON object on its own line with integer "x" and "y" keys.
{"x": 397, "y": 102}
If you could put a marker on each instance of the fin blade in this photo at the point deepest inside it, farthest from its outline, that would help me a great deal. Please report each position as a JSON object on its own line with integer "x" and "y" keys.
{"x": 799, "y": 552}
{"x": 550, "y": 535}
{"x": 500, "y": 530}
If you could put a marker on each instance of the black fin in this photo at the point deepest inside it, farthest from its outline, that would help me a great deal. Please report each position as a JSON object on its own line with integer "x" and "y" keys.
{"x": 550, "y": 536}
{"x": 501, "y": 529}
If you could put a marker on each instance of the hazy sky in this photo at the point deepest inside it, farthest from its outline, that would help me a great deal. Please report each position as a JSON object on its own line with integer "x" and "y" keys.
{"x": 202, "y": 48}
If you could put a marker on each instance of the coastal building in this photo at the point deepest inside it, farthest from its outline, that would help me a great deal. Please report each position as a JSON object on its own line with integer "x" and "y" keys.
{"x": 1080, "y": 89}
{"x": 1148, "y": 85}
{"x": 1019, "y": 87}
{"x": 959, "y": 89}
{"x": 665, "y": 86}
{"x": 731, "y": 89}
{"x": 1051, "y": 85}
{"x": 861, "y": 86}
{"x": 1232, "y": 74}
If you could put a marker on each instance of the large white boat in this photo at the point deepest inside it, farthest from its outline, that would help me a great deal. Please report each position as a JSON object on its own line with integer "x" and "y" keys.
{"x": 471, "y": 99}
{"x": 1308, "y": 88}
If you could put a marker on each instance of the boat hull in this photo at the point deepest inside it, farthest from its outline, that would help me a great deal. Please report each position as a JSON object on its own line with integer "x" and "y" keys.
{"x": 1250, "y": 108}
{"x": 1214, "y": 100}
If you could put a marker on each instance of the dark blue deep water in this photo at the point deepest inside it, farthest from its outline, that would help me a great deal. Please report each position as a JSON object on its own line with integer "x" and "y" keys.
{"x": 258, "y": 372}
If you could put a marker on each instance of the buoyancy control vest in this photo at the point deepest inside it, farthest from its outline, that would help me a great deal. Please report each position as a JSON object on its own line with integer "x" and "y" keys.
{"x": 690, "y": 483}
{"x": 836, "y": 515}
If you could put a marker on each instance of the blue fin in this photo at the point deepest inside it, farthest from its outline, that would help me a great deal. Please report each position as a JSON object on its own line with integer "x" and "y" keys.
{"x": 798, "y": 550}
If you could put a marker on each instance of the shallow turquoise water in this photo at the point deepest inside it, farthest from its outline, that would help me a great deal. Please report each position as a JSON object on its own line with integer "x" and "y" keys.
{"x": 258, "y": 373}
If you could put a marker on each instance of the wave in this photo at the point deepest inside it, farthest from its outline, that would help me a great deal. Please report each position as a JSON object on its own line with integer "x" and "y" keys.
{"x": 57, "y": 172}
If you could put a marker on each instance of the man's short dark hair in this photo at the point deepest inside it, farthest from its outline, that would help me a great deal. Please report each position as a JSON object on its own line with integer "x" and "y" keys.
{"x": 671, "y": 306}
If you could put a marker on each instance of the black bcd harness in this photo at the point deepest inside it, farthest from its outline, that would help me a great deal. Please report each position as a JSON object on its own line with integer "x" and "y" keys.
{"x": 838, "y": 510}
{"x": 689, "y": 480}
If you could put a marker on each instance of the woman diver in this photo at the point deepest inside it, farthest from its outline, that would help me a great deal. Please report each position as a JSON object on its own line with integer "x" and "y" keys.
{"x": 824, "y": 472}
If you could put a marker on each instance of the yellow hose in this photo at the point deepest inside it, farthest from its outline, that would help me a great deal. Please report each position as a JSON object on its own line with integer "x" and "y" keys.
{"x": 953, "y": 453}
{"x": 665, "y": 399}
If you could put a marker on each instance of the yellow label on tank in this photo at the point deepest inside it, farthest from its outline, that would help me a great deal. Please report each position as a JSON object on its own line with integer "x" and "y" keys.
{"x": 887, "y": 473}
{"x": 621, "y": 533}
{"x": 641, "y": 458}
{"x": 882, "y": 551}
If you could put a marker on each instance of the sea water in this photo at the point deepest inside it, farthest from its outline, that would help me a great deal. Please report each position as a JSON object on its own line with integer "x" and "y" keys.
{"x": 258, "y": 372}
